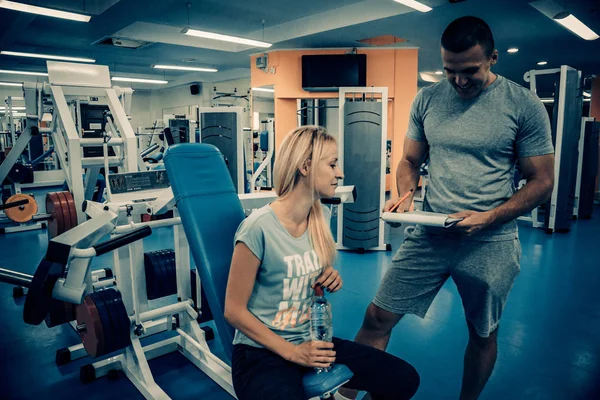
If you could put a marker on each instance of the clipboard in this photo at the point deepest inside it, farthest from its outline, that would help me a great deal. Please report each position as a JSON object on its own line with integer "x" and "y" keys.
{"x": 421, "y": 218}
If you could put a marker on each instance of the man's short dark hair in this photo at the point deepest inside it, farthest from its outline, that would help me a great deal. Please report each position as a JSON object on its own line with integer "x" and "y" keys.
{"x": 466, "y": 32}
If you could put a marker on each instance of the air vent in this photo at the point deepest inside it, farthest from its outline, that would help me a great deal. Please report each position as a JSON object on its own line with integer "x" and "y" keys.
{"x": 118, "y": 42}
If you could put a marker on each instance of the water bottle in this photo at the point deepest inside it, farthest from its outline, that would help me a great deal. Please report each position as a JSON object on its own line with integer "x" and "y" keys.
{"x": 321, "y": 328}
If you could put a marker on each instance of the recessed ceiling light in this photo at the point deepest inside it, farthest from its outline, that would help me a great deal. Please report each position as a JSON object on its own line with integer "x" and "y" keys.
{"x": 139, "y": 80}
{"x": 47, "y": 12}
{"x": 6, "y": 71}
{"x": 225, "y": 38}
{"x": 46, "y": 56}
{"x": 10, "y": 84}
{"x": 513, "y": 50}
{"x": 542, "y": 63}
{"x": 180, "y": 68}
{"x": 439, "y": 73}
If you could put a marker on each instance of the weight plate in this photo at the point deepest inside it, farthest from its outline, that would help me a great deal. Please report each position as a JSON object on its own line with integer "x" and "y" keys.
{"x": 59, "y": 313}
{"x": 93, "y": 335}
{"x": 105, "y": 320}
{"x": 149, "y": 268}
{"x": 22, "y": 213}
{"x": 171, "y": 276}
{"x": 64, "y": 209}
{"x": 55, "y": 223}
{"x": 161, "y": 274}
{"x": 72, "y": 208}
{"x": 120, "y": 319}
{"x": 125, "y": 321}
{"x": 18, "y": 173}
{"x": 114, "y": 333}
{"x": 39, "y": 294}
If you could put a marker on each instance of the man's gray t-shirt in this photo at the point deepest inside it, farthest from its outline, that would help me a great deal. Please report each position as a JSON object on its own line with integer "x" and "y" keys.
{"x": 474, "y": 145}
{"x": 282, "y": 293}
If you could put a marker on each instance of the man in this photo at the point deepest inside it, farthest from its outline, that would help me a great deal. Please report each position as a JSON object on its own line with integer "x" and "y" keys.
{"x": 475, "y": 125}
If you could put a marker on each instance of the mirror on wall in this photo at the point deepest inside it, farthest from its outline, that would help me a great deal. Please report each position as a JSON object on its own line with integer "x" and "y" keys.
{"x": 263, "y": 105}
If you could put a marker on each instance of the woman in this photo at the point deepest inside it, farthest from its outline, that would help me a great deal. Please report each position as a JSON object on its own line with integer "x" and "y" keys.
{"x": 281, "y": 252}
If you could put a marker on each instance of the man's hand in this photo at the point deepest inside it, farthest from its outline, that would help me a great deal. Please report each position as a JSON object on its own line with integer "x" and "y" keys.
{"x": 473, "y": 221}
{"x": 402, "y": 207}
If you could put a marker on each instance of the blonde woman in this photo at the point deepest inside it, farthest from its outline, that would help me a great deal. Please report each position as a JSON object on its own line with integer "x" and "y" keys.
{"x": 281, "y": 252}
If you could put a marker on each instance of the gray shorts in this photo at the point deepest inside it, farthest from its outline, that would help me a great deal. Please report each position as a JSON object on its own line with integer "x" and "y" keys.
{"x": 484, "y": 273}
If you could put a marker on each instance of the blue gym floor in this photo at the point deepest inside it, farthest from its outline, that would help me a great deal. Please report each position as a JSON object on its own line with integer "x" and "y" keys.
{"x": 549, "y": 346}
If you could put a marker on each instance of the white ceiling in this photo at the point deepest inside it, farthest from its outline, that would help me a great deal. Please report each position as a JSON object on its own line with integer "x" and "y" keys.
{"x": 287, "y": 24}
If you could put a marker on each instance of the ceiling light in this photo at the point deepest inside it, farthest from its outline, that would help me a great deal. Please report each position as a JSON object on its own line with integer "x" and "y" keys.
{"x": 10, "y": 84}
{"x": 6, "y": 71}
{"x": 47, "y": 12}
{"x": 180, "y": 68}
{"x": 586, "y": 94}
{"x": 258, "y": 89}
{"x": 225, "y": 38}
{"x": 570, "y": 22}
{"x": 17, "y": 108}
{"x": 512, "y": 50}
{"x": 414, "y": 4}
{"x": 542, "y": 63}
{"x": 46, "y": 56}
{"x": 439, "y": 73}
{"x": 429, "y": 77}
{"x": 124, "y": 79}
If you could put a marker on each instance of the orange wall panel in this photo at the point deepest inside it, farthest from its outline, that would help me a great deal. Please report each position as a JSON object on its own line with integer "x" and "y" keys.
{"x": 395, "y": 69}
{"x": 406, "y": 67}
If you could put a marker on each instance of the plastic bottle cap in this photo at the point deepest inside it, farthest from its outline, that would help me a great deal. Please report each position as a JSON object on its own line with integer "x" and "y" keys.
{"x": 319, "y": 290}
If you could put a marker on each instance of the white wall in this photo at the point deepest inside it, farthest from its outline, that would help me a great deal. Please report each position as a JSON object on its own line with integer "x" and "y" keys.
{"x": 141, "y": 109}
{"x": 150, "y": 105}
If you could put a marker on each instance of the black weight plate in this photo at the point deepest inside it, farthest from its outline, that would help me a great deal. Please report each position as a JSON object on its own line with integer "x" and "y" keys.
{"x": 107, "y": 297}
{"x": 163, "y": 275}
{"x": 158, "y": 274}
{"x": 56, "y": 313}
{"x": 106, "y": 325}
{"x": 150, "y": 261}
{"x": 114, "y": 300}
{"x": 170, "y": 283}
{"x": 125, "y": 322}
{"x": 39, "y": 294}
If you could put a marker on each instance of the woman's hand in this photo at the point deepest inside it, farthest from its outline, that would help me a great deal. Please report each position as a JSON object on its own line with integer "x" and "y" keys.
{"x": 313, "y": 354}
{"x": 329, "y": 279}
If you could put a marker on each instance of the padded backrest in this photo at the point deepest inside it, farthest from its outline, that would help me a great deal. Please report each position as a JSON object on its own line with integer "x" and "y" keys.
{"x": 210, "y": 212}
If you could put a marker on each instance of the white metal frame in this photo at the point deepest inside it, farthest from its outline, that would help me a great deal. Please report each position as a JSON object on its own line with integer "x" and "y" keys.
{"x": 383, "y": 92}
{"x": 530, "y": 77}
{"x": 266, "y": 163}
{"x": 68, "y": 143}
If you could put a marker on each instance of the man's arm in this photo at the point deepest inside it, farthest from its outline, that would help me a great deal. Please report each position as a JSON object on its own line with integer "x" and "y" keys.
{"x": 407, "y": 173}
{"x": 539, "y": 172}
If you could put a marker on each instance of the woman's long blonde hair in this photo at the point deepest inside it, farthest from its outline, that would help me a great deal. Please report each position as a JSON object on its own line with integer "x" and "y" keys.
{"x": 304, "y": 146}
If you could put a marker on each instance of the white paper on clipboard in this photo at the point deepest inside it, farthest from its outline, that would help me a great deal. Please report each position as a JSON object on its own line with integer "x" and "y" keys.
{"x": 421, "y": 218}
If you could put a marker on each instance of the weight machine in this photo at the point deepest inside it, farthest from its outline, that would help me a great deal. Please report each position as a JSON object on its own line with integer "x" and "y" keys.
{"x": 566, "y": 126}
{"x": 362, "y": 141}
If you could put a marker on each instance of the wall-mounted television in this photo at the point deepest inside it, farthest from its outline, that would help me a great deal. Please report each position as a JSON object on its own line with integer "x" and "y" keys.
{"x": 328, "y": 72}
